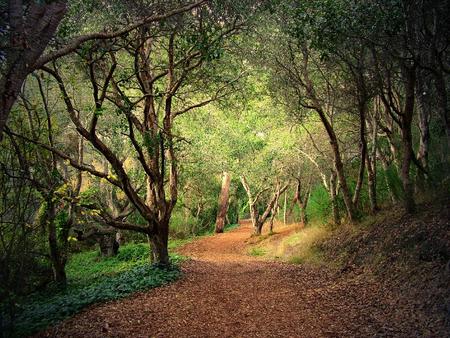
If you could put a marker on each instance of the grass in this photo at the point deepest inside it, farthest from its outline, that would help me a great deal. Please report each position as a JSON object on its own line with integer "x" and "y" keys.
{"x": 256, "y": 252}
{"x": 93, "y": 279}
{"x": 298, "y": 248}
{"x": 312, "y": 256}
{"x": 302, "y": 246}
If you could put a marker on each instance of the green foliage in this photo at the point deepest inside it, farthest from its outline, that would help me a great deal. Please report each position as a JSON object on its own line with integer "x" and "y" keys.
{"x": 394, "y": 181}
{"x": 151, "y": 143}
{"x": 133, "y": 252}
{"x": 93, "y": 279}
{"x": 183, "y": 226}
{"x": 319, "y": 205}
{"x": 256, "y": 252}
{"x": 87, "y": 197}
{"x": 61, "y": 219}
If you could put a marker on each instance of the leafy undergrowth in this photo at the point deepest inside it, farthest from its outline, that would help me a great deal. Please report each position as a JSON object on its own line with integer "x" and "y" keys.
{"x": 94, "y": 279}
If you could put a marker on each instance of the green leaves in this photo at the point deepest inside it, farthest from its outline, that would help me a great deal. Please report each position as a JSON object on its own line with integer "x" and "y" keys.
{"x": 99, "y": 111}
{"x": 41, "y": 310}
{"x": 87, "y": 197}
{"x": 151, "y": 142}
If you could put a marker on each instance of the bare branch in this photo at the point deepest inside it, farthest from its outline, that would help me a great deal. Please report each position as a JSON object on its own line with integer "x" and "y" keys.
{"x": 73, "y": 162}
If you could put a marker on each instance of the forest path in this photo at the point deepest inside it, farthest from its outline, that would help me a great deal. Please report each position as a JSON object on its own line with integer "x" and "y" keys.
{"x": 224, "y": 292}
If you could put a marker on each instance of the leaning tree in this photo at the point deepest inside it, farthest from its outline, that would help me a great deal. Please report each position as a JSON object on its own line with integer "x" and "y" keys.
{"x": 148, "y": 78}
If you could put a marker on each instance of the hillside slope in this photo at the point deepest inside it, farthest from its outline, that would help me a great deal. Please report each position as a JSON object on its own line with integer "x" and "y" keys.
{"x": 408, "y": 255}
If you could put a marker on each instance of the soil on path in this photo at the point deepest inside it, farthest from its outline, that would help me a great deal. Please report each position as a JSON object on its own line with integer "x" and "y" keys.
{"x": 224, "y": 292}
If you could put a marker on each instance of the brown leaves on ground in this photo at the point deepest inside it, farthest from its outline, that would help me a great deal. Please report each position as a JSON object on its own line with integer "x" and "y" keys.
{"x": 226, "y": 293}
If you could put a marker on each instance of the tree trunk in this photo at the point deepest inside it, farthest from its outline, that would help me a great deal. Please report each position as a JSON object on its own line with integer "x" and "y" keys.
{"x": 339, "y": 166}
{"x": 302, "y": 202}
{"x": 254, "y": 214}
{"x": 59, "y": 273}
{"x": 351, "y": 214}
{"x": 30, "y": 35}
{"x": 270, "y": 208}
{"x": 258, "y": 227}
{"x": 371, "y": 164}
{"x": 272, "y": 217}
{"x": 363, "y": 150}
{"x": 302, "y": 217}
{"x": 251, "y": 203}
{"x": 58, "y": 263}
{"x": 424, "y": 105}
{"x": 108, "y": 245}
{"x": 223, "y": 202}
{"x": 406, "y": 119}
{"x": 274, "y": 208}
{"x": 285, "y": 208}
{"x": 257, "y": 220}
{"x": 159, "y": 242}
{"x": 442, "y": 101}
{"x": 333, "y": 195}
{"x": 371, "y": 181}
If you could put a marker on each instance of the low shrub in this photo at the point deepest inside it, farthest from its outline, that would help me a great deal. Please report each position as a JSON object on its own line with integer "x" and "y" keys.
{"x": 44, "y": 310}
{"x": 133, "y": 252}
{"x": 92, "y": 279}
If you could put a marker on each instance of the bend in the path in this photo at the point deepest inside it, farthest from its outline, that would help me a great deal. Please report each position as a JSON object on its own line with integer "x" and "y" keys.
{"x": 220, "y": 248}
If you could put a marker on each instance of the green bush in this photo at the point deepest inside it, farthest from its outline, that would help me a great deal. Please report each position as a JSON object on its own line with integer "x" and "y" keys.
{"x": 182, "y": 226}
{"x": 133, "y": 252}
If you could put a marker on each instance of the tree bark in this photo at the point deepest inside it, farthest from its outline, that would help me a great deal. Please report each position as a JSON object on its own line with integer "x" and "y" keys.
{"x": 339, "y": 166}
{"x": 371, "y": 182}
{"x": 333, "y": 195}
{"x": 442, "y": 101}
{"x": 108, "y": 245}
{"x": 30, "y": 35}
{"x": 424, "y": 105}
{"x": 258, "y": 220}
{"x": 223, "y": 202}
{"x": 159, "y": 246}
{"x": 371, "y": 164}
{"x": 363, "y": 150}
{"x": 108, "y": 239}
{"x": 385, "y": 165}
{"x": 251, "y": 203}
{"x": 270, "y": 207}
{"x": 273, "y": 212}
{"x": 407, "y": 145}
{"x": 302, "y": 201}
{"x": 58, "y": 262}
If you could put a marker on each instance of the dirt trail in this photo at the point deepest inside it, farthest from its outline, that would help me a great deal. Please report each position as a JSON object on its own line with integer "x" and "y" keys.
{"x": 226, "y": 293}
